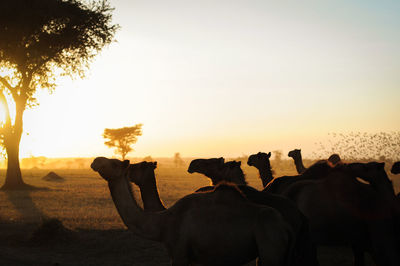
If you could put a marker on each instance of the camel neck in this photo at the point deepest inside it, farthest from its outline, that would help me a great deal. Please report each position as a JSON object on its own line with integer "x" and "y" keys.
{"x": 265, "y": 175}
{"x": 146, "y": 224}
{"x": 299, "y": 164}
{"x": 150, "y": 197}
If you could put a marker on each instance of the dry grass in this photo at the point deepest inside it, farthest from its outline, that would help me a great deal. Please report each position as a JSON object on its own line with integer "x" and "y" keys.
{"x": 84, "y": 206}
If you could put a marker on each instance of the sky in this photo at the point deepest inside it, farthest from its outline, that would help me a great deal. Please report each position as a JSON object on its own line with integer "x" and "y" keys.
{"x": 227, "y": 77}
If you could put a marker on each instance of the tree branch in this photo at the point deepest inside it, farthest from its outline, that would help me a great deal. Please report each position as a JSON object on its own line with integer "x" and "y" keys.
{"x": 6, "y": 84}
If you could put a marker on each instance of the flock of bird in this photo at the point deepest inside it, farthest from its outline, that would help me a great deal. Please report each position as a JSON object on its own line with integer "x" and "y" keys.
{"x": 232, "y": 223}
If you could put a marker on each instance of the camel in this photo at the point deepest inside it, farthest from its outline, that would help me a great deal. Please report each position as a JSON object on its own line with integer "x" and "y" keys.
{"x": 341, "y": 210}
{"x": 333, "y": 160}
{"x": 395, "y": 168}
{"x": 298, "y": 160}
{"x": 261, "y": 162}
{"x": 219, "y": 227}
{"x": 213, "y": 167}
{"x": 218, "y": 171}
{"x": 276, "y": 185}
{"x": 142, "y": 174}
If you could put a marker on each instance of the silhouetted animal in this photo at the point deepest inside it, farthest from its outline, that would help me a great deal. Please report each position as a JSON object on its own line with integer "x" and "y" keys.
{"x": 261, "y": 161}
{"x": 220, "y": 227}
{"x": 305, "y": 253}
{"x": 142, "y": 174}
{"x": 333, "y": 160}
{"x": 343, "y": 211}
{"x": 298, "y": 160}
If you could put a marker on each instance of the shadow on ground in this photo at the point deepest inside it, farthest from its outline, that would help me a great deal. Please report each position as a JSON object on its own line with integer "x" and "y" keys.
{"x": 23, "y": 203}
{"x": 81, "y": 247}
{"x": 102, "y": 247}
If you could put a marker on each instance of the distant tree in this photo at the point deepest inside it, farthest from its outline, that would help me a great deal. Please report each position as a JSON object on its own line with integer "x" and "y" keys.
{"x": 178, "y": 160}
{"x": 243, "y": 158}
{"x": 277, "y": 157}
{"x": 41, "y": 40}
{"x": 122, "y": 138}
{"x": 148, "y": 158}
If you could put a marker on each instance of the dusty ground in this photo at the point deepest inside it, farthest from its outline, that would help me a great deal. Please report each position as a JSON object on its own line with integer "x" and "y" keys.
{"x": 94, "y": 233}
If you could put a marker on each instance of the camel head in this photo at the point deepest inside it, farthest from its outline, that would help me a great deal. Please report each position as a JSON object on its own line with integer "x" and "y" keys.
{"x": 396, "y": 168}
{"x": 296, "y": 153}
{"x": 208, "y": 167}
{"x": 334, "y": 160}
{"x": 109, "y": 168}
{"x": 259, "y": 160}
{"x": 232, "y": 173}
{"x": 140, "y": 172}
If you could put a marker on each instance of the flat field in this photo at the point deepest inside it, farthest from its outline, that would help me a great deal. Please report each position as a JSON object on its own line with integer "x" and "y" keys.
{"x": 92, "y": 231}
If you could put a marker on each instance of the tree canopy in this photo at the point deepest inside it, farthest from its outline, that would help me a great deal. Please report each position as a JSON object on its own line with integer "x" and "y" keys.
{"x": 39, "y": 41}
{"x": 42, "y": 38}
{"x": 122, "y": 138}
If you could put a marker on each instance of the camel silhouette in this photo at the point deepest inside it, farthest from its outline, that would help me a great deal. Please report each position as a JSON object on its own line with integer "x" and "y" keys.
{"x": 219, "y": 227}
{"x": 298, "y": 160}
{"x": 262, "y": 163}
{"x": 333, "y": 160}
{"x": 343, "y": 211}
{"x": 209, "y": 167}
{"x": 142, "y": 174}
{"x": 305, "y": 252}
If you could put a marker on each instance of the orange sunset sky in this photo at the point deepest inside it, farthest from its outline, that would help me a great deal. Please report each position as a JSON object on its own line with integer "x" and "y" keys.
{"x": 228, "y": 77}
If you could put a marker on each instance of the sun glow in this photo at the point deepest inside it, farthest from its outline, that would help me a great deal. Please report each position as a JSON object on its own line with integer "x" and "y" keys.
{"x": 2, "y": 114}
{"x": 278, "y": 78}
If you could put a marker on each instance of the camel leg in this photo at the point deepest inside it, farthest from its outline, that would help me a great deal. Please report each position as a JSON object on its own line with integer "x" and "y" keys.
{"x": 359, "y": 259}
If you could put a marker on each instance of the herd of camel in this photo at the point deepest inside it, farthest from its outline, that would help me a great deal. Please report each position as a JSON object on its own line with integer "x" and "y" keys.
{"x": 231, "y": 223}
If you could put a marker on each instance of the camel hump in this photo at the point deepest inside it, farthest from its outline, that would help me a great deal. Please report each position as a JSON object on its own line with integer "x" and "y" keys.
{"x": 318, "y": 169}
{"x": 229, "y": 191}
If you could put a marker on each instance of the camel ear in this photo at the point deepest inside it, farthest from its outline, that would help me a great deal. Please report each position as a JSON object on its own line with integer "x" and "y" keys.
{"x": 125, "y": 163}
{"x": 154, "y": 165}
{"x": 269, "y": 154}
{"x": 221, "y": 159}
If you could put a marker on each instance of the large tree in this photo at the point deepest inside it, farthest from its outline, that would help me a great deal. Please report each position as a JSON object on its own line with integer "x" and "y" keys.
{"x": 41, "y": 40}
{"x": 122, "y": 138}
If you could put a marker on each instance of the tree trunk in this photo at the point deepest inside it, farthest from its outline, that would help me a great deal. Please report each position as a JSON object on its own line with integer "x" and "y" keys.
{"x": 13, "y": 175}
{"x": 11, "y": 142}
